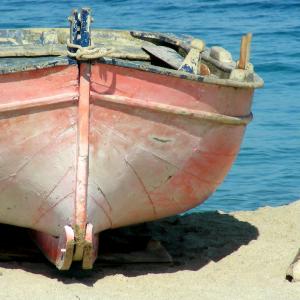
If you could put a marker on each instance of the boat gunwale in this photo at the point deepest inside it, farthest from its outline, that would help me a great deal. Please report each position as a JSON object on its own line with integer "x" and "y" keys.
{"x": 172, "y": 40}
{"x": 257, "y": 83}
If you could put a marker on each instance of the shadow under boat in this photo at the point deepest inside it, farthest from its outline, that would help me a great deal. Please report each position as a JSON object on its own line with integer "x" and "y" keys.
{"x": 193, "y": 240}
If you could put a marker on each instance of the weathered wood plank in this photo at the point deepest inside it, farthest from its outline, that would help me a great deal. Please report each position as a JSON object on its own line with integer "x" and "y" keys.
{"x": 193, "y": 58}
{"x": 122, "y": 51}
{"x": 33, "y": 50}
{"x": 165, "y": 54}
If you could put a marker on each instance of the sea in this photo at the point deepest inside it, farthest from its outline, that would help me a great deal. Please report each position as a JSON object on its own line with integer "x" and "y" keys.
{"x": 267, "y": 170}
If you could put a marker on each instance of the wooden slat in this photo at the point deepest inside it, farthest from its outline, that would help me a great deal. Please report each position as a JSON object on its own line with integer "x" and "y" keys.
{"x": 33, "y": 50}
{"x": 165, "y": 54}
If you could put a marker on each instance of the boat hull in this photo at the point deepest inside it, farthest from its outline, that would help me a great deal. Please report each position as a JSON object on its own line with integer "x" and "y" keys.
{"x": 38, "y": 148}
{"x": 146, "y": 163}
{"x": 110, "y": 146}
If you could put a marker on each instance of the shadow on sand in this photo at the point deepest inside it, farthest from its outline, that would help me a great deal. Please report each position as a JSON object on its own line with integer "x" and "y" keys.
{"x": 193, "y": 240}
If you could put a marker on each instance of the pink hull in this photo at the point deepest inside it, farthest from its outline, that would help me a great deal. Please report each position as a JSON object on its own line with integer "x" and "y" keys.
{"x": 109, "y": 147}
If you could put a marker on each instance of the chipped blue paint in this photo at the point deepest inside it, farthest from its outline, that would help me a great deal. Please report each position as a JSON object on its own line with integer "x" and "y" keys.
{"x": 80, "y": 27}
{"x": 80, "y": 30}
{"x": 85, "y": 40}
{"x": 75, "y": 28}
{"x": 187, "y": 68}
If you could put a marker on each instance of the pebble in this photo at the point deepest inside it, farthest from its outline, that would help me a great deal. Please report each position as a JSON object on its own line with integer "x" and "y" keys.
{"x": 220, "y": 54}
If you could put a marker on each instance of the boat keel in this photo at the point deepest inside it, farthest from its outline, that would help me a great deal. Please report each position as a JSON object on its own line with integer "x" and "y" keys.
{"x": 58, "y": 250}
{"x": 90, "y": 251}
{"x": 61, "y": 251}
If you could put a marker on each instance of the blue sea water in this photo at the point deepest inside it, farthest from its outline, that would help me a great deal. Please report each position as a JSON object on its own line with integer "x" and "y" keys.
{"x": 267, "y": 171}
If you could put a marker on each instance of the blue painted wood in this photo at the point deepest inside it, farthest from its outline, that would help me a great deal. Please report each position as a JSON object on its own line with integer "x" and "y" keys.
{"x": 85, "y": 33}
{"x": 75, "y": 28}
{"x": 74, "y": 33}
{"x": 187, "y": 68}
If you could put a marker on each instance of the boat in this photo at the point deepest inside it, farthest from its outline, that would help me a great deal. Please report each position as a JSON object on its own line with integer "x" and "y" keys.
{"x": 103, "y": 129}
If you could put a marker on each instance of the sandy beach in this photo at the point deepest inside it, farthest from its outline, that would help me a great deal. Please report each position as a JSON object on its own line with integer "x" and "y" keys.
{"x": 241, "y": 255}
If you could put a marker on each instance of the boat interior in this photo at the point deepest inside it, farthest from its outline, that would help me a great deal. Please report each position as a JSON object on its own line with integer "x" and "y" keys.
{"x": 29, "y": 49}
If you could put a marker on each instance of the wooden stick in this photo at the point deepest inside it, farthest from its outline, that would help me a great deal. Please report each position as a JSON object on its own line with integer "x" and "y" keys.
{"x": 245, "y": 51}
{"x": 242, "y": 61}
{"x": 249, "y": 39}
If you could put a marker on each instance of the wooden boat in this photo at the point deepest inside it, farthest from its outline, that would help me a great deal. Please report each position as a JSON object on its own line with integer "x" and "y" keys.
{"x": 113, "y": 135}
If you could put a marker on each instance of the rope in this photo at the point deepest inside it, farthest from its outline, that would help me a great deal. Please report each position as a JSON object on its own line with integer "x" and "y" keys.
{"x": 88, "y": 53}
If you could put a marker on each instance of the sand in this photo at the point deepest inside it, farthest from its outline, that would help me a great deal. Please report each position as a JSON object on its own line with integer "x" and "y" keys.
{"x": 241, "y": 255}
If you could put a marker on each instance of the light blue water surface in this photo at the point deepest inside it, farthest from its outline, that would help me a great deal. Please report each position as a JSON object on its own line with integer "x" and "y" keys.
{"x": 267, "y": 171}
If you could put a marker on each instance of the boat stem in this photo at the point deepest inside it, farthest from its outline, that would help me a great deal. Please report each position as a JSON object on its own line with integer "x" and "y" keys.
{"x": 82, "y": 160}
